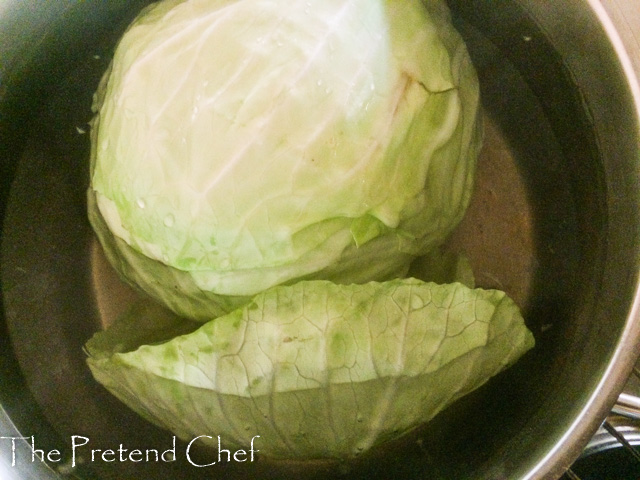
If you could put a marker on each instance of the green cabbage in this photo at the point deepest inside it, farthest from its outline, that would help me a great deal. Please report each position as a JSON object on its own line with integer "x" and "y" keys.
{"x": 244, "y": 144}
{"x": 316, "y": 369}
{"x": 274, "y": 169}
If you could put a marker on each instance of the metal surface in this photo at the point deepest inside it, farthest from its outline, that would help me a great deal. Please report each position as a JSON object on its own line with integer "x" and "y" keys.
{"x": 614, "y": 450}
{"x": 628, "y": 405}
{"x": 554, "y": 221}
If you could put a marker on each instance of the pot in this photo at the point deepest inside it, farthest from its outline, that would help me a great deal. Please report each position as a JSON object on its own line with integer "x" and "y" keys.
{"x": 555, "y": 221}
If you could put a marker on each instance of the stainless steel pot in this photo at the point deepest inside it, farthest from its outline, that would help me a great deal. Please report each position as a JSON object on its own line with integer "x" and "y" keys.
{"x": 555, "y": 221}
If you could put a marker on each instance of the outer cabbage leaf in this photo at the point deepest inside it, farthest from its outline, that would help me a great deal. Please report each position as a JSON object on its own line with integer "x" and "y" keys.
{"x": 256, "y": 143}
{"x": 319, "y": 370}
{"x": 170, "y": 286}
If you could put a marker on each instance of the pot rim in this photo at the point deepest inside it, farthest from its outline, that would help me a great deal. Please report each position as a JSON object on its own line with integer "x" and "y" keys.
{"x": 603, "y": 397}
{"x": 619, "y": 366}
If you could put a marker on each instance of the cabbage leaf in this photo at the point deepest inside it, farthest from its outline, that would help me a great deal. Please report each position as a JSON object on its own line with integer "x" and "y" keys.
{"x": 317, "y": 370}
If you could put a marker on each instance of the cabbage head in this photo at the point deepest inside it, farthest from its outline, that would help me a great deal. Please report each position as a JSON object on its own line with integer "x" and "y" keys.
{"x": 243, "y": 144}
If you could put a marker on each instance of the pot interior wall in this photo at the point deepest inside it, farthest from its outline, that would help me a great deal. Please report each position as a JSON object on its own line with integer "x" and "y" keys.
{"x": 553, "y": 221}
